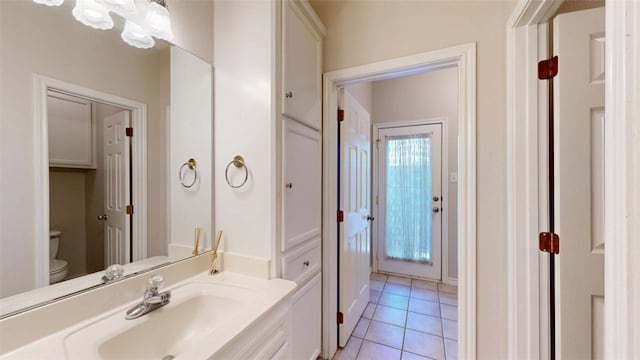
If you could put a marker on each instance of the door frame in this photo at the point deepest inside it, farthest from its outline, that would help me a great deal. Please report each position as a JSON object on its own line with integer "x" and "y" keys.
{"x": 444, "y": 272}
{"x": 464, "y": 57}
{"x": 139, "y": 167}
{"x": 526, "y": 179}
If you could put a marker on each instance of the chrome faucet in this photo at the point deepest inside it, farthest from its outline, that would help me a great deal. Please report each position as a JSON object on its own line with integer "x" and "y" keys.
{"x": 152, "y": 299}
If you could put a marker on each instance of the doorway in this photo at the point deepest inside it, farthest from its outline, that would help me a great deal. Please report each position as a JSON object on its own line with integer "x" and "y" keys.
{"x": 463, "y": 57}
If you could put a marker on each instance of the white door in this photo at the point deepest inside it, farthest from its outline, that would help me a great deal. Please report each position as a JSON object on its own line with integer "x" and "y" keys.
{"x": 355, "y": 230}
{"x": 410, "y": 200}
{"x": 116, "y": 188}
{"x": 579, "y": 119}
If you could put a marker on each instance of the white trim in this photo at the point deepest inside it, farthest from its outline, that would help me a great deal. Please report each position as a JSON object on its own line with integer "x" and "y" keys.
{"x": 444, "y": 121}
{"x": 464, "y": 56}
{"x": 622, "y": 176}
{"x": 139, "y": 152}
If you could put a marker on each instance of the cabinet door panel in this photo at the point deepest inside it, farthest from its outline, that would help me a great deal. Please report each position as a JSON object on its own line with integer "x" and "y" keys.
{"x": 306, "y": 327}
{"x": 302, "y": 183}
{"x": 302, "y": 49}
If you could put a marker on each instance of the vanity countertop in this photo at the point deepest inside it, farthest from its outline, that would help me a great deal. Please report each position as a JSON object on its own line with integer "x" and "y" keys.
{"x": 205, "y": 313}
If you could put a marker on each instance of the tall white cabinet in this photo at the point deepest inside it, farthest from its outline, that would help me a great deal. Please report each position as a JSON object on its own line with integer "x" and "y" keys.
{"x": 268, "y": 103}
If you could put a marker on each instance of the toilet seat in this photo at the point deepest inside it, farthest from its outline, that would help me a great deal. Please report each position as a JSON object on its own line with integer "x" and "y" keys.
{"x": 57, "y": 266}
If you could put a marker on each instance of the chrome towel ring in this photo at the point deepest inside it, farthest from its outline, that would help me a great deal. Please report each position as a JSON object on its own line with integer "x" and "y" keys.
{"x": 238, "y": 162}
{"x": 191, "y": 164}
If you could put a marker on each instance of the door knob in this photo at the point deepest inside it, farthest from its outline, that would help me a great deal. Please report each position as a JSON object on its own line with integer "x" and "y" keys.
{"x": 435, "y": 198}
{"x": 435, "y": 209}
{"x": 103, "y": 217}
{"x": 289, "y": 185}
{"x": 370, "y": 218}
{"x": 288, "y": 94}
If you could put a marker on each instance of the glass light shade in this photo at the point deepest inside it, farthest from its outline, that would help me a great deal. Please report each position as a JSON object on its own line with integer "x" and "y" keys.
{"x": 92, "y": 14}
{"x": 158, "y": 20}
{"x": 49, "y": 2}
{"x": 124, "y": 7}
{"x": 136, "y": 35}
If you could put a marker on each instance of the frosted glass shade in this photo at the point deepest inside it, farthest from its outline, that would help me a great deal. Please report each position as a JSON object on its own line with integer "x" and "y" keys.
{"x": 124, "y": 7}
{"x": 136, "y": 35}
{"x": 49, "y": 2}
{"x": 158, "y": 20}
{"x": 92, "y": 14}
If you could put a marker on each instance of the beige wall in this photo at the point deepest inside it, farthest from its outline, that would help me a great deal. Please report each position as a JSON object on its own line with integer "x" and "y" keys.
{"x": 419, "y": 97}
{"x": 360, "y": 32}
{"x": 363, "y": 93}
{"x": 28, "y": 48}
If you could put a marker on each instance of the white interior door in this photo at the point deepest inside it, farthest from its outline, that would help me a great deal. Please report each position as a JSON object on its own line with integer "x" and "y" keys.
{"x": 116, "y": 191}
{"x": 355, "y": 199}
{"x": 410, "y": 200}
{"x": 579, "y": 122}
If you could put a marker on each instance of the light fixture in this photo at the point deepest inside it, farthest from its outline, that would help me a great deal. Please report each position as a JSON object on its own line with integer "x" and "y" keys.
{"x": 136, "y": 35}
{"x": 124, "y": 7}
{"x": 49, "y": 2}
{"x": 158, "y": 20}
{"x": 93, "y": 14}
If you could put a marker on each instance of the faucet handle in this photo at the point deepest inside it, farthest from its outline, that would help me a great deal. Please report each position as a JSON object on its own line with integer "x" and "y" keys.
{"x": 155, "y": 282}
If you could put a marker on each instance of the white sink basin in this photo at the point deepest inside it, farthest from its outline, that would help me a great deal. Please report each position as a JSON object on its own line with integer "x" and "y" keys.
{"x": 199, "y": 313}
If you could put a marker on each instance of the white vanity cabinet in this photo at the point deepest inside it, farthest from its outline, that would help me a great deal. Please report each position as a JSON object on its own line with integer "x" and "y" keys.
{"x": 301, "y": 64}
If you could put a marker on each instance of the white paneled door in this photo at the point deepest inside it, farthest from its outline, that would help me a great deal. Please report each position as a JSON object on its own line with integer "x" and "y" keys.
{"x": 355, "y": 202}
{"x": 116, "y": 188}
{"x": 410, "y": 200}
{"x": 579, "y": 118}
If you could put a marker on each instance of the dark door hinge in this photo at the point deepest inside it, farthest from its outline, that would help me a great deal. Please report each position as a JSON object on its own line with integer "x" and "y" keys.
{"x": 340, "y": 115}
{"x": 340, "y": 216}
{"x": 548, "y": 69}
{"x": 129, "y": 209}
{"x": 129, "y": 131}
{"x": 549, "y": 242}
{"x": 340, "y": 318}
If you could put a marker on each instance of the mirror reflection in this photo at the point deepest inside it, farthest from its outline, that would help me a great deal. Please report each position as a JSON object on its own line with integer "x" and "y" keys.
{"x": 103, "y": 130}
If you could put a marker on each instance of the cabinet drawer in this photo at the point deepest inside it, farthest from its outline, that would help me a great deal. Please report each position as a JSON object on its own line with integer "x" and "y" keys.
{"x": 300, "y": 264}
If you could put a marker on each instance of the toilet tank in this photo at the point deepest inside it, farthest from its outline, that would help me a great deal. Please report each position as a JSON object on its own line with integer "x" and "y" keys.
{"x": 54, "y": 242}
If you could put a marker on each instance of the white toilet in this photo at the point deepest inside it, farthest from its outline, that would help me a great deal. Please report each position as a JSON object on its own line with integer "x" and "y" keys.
{"x": 57, "y": 268}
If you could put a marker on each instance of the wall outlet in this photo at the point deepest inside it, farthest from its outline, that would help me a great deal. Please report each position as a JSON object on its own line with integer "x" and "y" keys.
{"x": 453, "y": 177}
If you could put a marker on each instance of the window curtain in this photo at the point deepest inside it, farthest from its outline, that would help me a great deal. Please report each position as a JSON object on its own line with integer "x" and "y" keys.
{"x": 408, "y": 200}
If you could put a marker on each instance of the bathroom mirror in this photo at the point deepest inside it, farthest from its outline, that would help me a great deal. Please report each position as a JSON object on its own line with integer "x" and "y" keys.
{"x": 95, "y": 136}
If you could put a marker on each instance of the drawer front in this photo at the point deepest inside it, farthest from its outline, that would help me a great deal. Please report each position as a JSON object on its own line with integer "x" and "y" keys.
{"x": 300, "y": 264}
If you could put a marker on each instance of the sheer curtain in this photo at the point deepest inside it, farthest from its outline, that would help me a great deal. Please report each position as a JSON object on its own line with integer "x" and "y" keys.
{"x": 408, "y": 200}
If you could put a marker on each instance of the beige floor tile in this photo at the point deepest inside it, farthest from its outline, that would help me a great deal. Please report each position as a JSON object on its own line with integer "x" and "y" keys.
{"x": 361, "y": 328}
{"x": 424, "y": 323}
{"x": 449, "y": 299}
{"x": 399, "y": 280}
{"x": 385, "y": 334}
{"x": 424, "y": 307}
{"x": 424, "y": 344}
{"x": 446, "y": 288}
{"x": 373, "y": 351}
{"x": 374, "y": 296}
{"x": 424, "y": 294}
{"x": 350, "y": 351}
{"x": 378, "y": 276}
{"x": 451, "y": 349}
{"x": 449, "y": 312}
{"x": 411, "y": 356}
{"x": 390, "y": 315}
{"x": 397, "y": 289}
{"x": 425, "y": 284}
{"x": 396, "y": 301}
{"x": 368, "y": 311}
{"x": 376, "y": 284}
{"x": 450, "y": 329}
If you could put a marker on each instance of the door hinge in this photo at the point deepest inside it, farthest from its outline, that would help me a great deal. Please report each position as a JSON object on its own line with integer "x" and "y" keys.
{"x": 129, "y": 131}
{"x": 548, "y": 69}
{"x": 129, "y": 209}
{"x": 549, "y": 242}
{"x": 340, "y": 115}
{"x": 340, "y": 317}
{"x": 340, "y": 216}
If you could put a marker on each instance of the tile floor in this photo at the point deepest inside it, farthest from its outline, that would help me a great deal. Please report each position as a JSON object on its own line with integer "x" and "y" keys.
{"x": 405, "y": 319}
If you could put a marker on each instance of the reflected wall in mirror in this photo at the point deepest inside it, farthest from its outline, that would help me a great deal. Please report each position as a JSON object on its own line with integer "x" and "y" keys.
{"x": 72, "y": 179}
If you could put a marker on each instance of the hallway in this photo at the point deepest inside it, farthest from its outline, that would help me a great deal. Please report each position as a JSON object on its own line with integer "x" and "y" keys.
{"x": 406, "y": 319}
